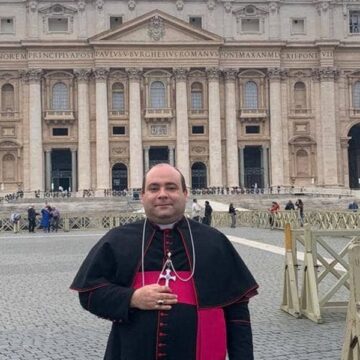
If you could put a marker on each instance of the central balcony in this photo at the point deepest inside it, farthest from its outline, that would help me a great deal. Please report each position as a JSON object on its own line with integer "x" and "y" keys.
{"x": 161, "y": 113}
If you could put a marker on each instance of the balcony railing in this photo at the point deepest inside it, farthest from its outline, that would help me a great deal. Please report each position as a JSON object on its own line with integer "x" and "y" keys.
{"x": 114, "y": 114}
{"x": 62, "y": 116}
{"x": 165, "y": 113}
{"x": 355, "y": 112}
{"x": 259, "y": 113}
{"x": 198, "y": 112}
{"x": 9, "y": 115}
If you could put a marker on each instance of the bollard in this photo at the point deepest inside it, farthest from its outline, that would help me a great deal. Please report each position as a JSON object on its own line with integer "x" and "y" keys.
{"x": 290, "y": 302}
{"x": 66, "y": 223}
{"x": 351, "y": 346}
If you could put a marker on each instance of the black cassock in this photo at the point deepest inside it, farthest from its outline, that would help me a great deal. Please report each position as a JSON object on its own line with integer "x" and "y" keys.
{"x": 212, "y": 310}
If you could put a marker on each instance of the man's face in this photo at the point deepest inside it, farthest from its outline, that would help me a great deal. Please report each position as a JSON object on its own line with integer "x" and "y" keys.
{"x": 163, "y": 198}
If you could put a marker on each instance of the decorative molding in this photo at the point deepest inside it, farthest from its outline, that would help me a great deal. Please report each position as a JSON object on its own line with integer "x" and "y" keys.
{"x": 274, "y": 8}
{"x": 228, "y": 6}
{"x": 211, "y": 5}
{"x": 33, "y": 75}
{"x": 99, "y": 4}
{"x": 327, "y": 73}
{"x": 81, "y": 5}
{"x": 213, "y": 73}
{"x": 134, "y": 73}
{"x": 230, "y": 74}
{"x": 156, "y": 28}
{"x": 101, "y": 73}
{"x": 181, "y": 73}
{"x": 277, "y": 73}
{"x": 158, "y": 130}
{"x": 199, "y": 149}
{"x": 131, "y": 4}
{"x": 322, "y": 6}
{"x": 179, "y": 4}
{"x": 32, "y": 6}
{"x": 82, "y": 74}
{"x": 57, "y": 9}
{"x": 119, "y": 150}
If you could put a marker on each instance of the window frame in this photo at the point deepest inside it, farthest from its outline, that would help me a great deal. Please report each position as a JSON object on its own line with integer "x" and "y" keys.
{"x": 118, "y": 126}
{"x": 13, "y": 25}
{"x": 113, "y": 17}
{"x": 349, "y": 25}
{"x": 67, "y": 98}
{"x": 68, "y": 18}
{"x": 198, "y": 17}
{"x": 198, "y": 133}
{"x": 293, "y": 31}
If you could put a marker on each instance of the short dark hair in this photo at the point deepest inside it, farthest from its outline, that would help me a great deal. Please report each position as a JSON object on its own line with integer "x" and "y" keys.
{"x": 182, "y": 179}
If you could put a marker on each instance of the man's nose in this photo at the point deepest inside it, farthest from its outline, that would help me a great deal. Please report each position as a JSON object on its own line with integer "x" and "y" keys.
{"x": 163, "y": 192}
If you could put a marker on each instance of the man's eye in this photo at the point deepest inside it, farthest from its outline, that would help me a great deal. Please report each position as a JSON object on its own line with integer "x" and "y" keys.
{"x": 153, "y": 188}
{"x": 171, "y": 188}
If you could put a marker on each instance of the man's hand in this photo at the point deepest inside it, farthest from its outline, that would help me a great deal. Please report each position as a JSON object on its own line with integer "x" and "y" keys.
{"x": 153, "y": 297}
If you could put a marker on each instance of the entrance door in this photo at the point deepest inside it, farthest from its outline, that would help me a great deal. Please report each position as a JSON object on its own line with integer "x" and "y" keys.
{"x": 198, "y": 176}
{"x": 119, "y": 177}
{"x": 354, "y": 157}
{"x": 61, "y": 169}
{"x": 158, "y": 154}
{"x": 253, "y": 171}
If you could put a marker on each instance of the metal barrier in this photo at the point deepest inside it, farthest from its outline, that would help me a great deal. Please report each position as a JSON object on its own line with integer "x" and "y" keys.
{"x": 312, "y": 300}
{"x": 351, "y": 347}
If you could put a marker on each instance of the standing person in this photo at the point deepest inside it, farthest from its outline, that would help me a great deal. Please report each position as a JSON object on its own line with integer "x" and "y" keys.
{"x": 300, "y": 206}
{"x": 172, "y": 287}
{"x": 45, "y": 218}
{"x": 196, "y": 210}
{"x": 32, "y": 218}
{"x": 289, "y": 205}
{"x": 207, "y": 214}
{"x": 232, "y": 212}
{"x": 55, "y": 218}
{"x": 275, "y": 207}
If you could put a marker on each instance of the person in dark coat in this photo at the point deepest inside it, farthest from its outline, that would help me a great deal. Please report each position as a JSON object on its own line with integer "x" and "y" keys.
{"x": 207, "y": 213}
{"x": 32, "y": 218}
{"x": 172, "y": 287}
{"x": 289, "y": 205}
{"x": 232, "y": 212}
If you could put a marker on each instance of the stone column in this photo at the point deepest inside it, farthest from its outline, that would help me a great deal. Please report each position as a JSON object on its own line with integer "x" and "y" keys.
{"x": 84, "y": 159}
{"x": 102, "y": 131}
{"x": 35, "y": 131}
{"x": 182, "y": 124}
{"x": 276, "y": 135}
{"x": 74, "y": 172}
{"x": 328, "y": 126}
{"x": 215, "y": 155}
{"x": 242, "y": 166}
{"x": 231, "y": 129}
{"x": 146, "y": 160}
{"x": 135, "y": 142}
{"x": 48, "y": 170}
{"x": 265, "y": 165}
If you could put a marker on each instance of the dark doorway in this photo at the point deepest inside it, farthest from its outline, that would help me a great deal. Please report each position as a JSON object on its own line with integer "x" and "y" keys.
{"x": 253, "y": 171}
{"x": 158, "y": 154}
{"x": 354, "y": 157}
{"x": 198, "y": 176}
{"x": 61, "y": 170}
{"x": 119, "y": 177}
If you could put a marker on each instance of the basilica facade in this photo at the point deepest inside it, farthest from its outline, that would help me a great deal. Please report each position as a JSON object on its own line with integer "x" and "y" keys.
{"x": 232, "y": 92}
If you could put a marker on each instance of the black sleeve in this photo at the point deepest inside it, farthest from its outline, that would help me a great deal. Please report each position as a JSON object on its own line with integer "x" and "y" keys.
{"x": 239, "y": 334}
{"x": 111, "y": 302}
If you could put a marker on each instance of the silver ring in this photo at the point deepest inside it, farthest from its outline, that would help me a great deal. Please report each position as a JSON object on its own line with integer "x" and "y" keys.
{"x": 160, "y": 302}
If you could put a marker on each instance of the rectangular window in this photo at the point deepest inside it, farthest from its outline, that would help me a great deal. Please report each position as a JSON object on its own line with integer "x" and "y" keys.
{"x": 196, "y": 21}
{"x": 250, "y": 25}
{"x": 354, "y": 25}
{"x": 58, "y": 24}
{"x": 7, "y": 26}
{"x": 297, "y": 26}
{"x": 115, "y": 21}
{"x": 60, "y": 131}
{"x": 118, "y": 130}
{"x": 252, "y": 129}
{"x": 198, "y": 129}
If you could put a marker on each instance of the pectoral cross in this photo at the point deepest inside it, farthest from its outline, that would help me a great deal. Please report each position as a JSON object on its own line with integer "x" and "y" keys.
{"x": 167, "y": 276}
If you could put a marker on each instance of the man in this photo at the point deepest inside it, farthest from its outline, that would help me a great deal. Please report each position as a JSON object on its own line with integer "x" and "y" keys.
{"x": 32, "y": 218}
{"x": 207, "y": 214}
{"x": 173, "y": 288}
{"x": 196, "y": 210}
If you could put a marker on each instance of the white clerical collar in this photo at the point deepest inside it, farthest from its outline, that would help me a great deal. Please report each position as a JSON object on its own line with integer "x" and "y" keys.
{"x": 166, "y": 226}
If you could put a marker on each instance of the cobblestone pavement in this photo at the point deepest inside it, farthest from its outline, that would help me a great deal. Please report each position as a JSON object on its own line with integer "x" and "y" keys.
{"x": 41, "y": 319}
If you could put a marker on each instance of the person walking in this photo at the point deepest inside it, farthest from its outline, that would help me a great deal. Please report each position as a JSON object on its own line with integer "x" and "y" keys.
{"x": 173, "y": 288}
{"x": 232, "y": 212}
{"x": 207, "y": 214}
{"x": 55, "y": 219}
{"x": 32, "y": 218}
{"x": 275, "y": 207}
{"x": 196, "y": 210}
{"x": 300, "y": 206}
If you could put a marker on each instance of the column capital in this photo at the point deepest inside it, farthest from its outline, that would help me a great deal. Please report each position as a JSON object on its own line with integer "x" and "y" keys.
{"x": 328, "y": 73}
{"x": 82, "y": 74}
{"x": 134, "y": 73}
{"x": 230, "y": 74}
{"x": 31, "y": 75}
{"x": 277, "y": 73}
{"x": 213, "y": 73}
{"x": 180, "y": 73}
{"x": 101, "y": 73}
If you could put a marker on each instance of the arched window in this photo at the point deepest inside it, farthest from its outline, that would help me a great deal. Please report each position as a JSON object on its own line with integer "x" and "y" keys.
{"x": 302, "y": 163}
{"x": 118, "y": 103}
{"x": 251, "y": 95}
{"x": 356, "y": 95}
{"x": 60, "y": 97}
{"x": 157, "y": 95}
{"x": 7, "y": 98}
{"x": 9, "y": 168}
{"x": 300, "y": 95}
{"x": 197, "y": 96}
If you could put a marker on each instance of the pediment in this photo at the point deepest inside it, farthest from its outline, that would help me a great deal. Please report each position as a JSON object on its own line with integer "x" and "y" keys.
{"x": 156, "y": 27}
